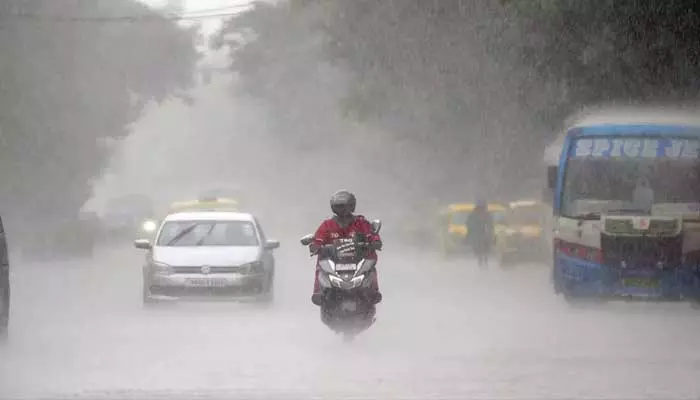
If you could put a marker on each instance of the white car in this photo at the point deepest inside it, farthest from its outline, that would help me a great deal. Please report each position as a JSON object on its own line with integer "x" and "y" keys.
{"x": 203, "y": 254}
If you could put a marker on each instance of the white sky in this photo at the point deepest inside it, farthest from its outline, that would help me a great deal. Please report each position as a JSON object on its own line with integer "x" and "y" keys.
{"x": 209, "y": 25}
{"x": 167, "y": 142}
{"x": 195, "y": 5}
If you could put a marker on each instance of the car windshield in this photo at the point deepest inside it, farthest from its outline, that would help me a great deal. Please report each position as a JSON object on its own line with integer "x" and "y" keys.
{"x": 527, "y": 215}
{"x": 631, "y": 175}
{"x": 208, "y": 233}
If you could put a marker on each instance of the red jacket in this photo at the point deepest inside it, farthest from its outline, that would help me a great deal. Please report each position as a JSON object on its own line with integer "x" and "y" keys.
{"x": 330, "y": 230}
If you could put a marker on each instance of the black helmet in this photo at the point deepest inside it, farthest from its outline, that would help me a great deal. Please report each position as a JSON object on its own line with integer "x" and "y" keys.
{"x": 343, "y": 203}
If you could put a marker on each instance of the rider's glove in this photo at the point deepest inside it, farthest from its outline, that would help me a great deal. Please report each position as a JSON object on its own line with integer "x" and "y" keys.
{"x": 376, "y": 245}
{"x": 314, "y": 248}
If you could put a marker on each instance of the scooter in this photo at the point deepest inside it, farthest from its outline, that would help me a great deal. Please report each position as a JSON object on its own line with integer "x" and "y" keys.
{"x": 347, "y": 307}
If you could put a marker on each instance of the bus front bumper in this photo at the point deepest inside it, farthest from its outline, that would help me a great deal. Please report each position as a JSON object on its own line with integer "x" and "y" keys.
{"x": 581, "y": 278}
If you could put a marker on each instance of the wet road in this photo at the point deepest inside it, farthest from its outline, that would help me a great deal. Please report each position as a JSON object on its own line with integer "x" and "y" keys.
{"x": 445, "y": 330}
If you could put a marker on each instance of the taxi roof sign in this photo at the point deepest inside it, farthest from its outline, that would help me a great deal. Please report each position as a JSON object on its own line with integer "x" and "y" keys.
{"x": 457, "y": 207}
{"x": 524, "y": 203}
{"x": 206, "y": 204}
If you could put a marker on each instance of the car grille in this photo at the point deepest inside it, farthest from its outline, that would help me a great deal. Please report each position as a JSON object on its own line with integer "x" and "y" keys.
{"x": 212, "y": 270}
{"x": 641, "y": 251}
{"x": 197, "y": 291}
{"x": 657, "y": 227}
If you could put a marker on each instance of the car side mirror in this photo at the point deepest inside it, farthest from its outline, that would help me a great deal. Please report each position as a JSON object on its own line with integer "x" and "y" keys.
{"x": 551, "y": 177}
{"x": 143, "y": 244}
{"x": 272, "y": 244}
{"x": 306, "y": 240}
{"x": 376, "y": 226}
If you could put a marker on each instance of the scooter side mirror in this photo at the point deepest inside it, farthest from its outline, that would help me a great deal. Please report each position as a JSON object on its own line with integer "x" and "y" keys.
{"x": 306, "y": 240}
{"x": 376, "y": 226}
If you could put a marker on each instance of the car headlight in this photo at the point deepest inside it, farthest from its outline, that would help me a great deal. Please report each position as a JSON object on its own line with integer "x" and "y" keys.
{"x": 161, "y": 268}
{"x": 149, "y": 225}
{"x": 255, "y": 267}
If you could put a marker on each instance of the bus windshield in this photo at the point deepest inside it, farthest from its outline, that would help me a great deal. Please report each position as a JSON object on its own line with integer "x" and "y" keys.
{"x": 630, "y": 175}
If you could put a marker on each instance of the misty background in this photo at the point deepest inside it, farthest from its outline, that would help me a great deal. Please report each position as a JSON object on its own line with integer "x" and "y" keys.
{"x": 411, "y": 104}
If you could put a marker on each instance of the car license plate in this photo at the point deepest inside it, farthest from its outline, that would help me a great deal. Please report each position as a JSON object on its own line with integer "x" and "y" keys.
{"x": 204, "y": 282}
{"x": 349, "y": 305}
{"x": 643, "y": 283}
{"x": 345, "y": 267}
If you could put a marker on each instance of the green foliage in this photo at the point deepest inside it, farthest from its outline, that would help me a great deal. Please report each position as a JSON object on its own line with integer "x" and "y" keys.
{"x": 480, "y": 84}
{"x": 617, "y": 50}
{"x": 538, "y": 7}
{"x": 69, "y": 79}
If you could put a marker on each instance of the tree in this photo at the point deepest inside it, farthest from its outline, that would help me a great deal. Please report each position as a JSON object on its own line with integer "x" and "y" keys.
{"x": 625, "y": 50}
{"x": 420, "y": 106}
{"x": 465, "y": 94}
{"x": 72, "y": 75}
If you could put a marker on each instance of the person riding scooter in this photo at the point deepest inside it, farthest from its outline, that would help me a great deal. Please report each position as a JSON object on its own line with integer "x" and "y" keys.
{"x": 344, "y": 225}
{"x": 480, "y": 231}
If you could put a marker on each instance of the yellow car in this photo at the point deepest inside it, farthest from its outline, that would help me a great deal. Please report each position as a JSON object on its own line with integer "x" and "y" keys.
{"x": 204, "y": 204}
{"x": 521, "y": 235}
{"x": 453, "y": 225}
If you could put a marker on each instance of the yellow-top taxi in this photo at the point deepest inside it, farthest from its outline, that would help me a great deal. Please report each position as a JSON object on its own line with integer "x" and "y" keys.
{"x": 203, "y": 204}
{"x": 521, "y": 235}
{"x": 453, "y": 224}
{"x": 206, "y": 203}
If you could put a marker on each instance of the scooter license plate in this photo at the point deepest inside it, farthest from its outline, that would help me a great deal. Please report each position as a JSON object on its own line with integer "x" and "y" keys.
{"x": 349, "y": 305}
{"x": 345, "y": 267}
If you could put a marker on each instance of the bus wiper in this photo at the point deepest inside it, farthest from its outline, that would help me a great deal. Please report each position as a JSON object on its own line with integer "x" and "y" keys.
{"x": 628, "y": 211}
{"x": 587, "y": 216}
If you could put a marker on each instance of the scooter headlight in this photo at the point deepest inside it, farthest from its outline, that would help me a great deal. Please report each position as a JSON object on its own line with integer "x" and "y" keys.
{"x": 359, "y": 281}
{"x": 364, "y": 266}
{"x": 355, "y": 282}
{"x": 327, "y": 266}
{"x": 337, "y": 281}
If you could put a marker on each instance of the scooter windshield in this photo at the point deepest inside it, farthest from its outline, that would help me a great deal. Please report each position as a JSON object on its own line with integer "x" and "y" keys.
{"x": 347, "y": 251}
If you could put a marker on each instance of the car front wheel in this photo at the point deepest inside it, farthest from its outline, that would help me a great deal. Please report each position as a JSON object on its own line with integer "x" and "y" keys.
{"x": 268, "y": 289}
{"x": 4, "y": 311}
{"x": 146, "y": 294}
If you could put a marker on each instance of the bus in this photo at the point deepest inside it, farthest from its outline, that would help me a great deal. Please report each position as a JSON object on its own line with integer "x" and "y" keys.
{"x": 4, "y": 284}
{"x": 623, "y": 191}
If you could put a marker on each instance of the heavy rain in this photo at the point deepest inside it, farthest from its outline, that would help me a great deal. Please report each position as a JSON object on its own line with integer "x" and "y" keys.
{"x": 128, "y": 124}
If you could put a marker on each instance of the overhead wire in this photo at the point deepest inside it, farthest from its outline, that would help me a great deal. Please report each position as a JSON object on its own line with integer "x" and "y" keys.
{"x": 220, "y": 12}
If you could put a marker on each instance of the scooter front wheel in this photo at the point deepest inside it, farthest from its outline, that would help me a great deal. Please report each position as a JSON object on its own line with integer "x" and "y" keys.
{"x": 348, "y": 337}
